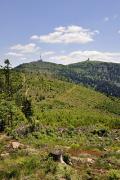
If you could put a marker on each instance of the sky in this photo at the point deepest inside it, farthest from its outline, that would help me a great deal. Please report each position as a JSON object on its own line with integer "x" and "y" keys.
{"x": 61, "y": 31}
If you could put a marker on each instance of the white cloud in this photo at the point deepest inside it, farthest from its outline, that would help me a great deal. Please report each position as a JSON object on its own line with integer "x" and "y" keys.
{"x": 67, "y": 58}
{"x": 34, "y": 37}
{"x": 24, "y": 49}
{"x": 23, "y": 58}
{"x": 106, "y": 19}
{"x": 78, "y": 56}
{"x": 48, "y": 53}
{"x": 118, "y": 31}
{"x": 21, "y": 53}
{"x": 14, "y": 54}
{"x": 69, "y": 34}
{"x": 97, "y": 32}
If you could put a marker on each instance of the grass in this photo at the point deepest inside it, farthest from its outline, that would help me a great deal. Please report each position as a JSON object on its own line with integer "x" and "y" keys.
{"x": 80, "y": 121}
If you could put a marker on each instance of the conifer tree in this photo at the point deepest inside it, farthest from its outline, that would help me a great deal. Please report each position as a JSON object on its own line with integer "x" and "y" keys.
{"x": 27, "y": 108}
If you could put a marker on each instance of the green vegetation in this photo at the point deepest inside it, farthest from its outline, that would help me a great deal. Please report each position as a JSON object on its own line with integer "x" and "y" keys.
{"x": 102, "y": 76}
{"x": 43, "y": 111}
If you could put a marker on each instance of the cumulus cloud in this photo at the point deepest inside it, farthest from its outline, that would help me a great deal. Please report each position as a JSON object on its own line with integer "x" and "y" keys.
{"x": 68, "y": 58}
{"x": 77, "y": 56}
{"x": 48, "y": 53}
{"x": 25, "y": 49}
{"x": 21, "y": 53}
{"x": 14, "y": 54}
{"x": 69, "y": 34}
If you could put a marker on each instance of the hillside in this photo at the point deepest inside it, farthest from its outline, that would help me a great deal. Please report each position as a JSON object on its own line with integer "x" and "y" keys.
{"x": 40, "y": 66}
{"x": 103, "y": 77}
{"x": 51, "y": 95}
{"x": 81, "y": 122}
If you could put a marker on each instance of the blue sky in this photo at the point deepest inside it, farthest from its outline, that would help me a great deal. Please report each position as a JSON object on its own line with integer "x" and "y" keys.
{"x": 63, "y": 31}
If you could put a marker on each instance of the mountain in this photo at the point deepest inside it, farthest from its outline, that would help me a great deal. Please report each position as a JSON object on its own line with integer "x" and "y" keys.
{"x": 102, "y": 76}
{"x": 51, "y": 95}
{"x": 40, "y": 66}
{"x": 79, "y": 122}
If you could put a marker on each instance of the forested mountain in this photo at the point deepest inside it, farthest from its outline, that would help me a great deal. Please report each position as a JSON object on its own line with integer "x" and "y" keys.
{"x": 43, "y": 116}
{"x": 102, "y": 76}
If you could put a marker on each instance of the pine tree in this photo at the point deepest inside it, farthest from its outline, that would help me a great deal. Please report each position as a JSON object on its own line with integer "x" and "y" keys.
{"x": 7, "y": 77}
{"x": 27, "y": 108}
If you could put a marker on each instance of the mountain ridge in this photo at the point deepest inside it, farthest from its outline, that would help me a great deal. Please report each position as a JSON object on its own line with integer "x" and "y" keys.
{"x": 102, "y": 76}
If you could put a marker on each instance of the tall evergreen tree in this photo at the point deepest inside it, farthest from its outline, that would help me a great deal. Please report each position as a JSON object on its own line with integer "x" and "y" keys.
{"x": 27, "y": 108}
{"x": 7, "y": 77}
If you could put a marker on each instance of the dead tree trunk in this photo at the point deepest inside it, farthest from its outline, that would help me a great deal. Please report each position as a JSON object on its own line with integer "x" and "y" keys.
{"x": 57, "y": 155}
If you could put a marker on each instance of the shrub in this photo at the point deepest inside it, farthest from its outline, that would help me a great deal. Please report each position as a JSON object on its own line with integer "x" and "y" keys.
{"x": 50, "y": 166}
{"x": 41, "y": 97}
{"x": 10, "y": 173}
{"x": 114, "y": 174}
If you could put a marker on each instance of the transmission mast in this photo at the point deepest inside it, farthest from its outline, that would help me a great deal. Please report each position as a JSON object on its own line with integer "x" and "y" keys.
{"x": 40, "y": 57}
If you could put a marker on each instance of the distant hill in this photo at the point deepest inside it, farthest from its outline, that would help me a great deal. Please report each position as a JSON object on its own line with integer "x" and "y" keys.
{"x": 41, "y": 66}
{"x": 102, "y": 76}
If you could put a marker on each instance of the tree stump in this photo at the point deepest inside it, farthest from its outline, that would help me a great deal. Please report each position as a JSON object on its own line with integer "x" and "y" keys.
{"x": 57, "y": 155}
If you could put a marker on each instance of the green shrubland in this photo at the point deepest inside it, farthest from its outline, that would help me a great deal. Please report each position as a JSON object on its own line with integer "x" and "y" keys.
{"x": 43, "y": 112}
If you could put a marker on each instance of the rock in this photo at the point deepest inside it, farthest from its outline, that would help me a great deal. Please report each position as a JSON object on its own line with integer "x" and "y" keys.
{"x": 89, "y": 160}
{"x": 15, "y": 145}
{"x": 118, "y": 151}
{"x": 4, "y": 155}
{"x": 117, "y": 139}
{"x": 75, "y": 160}
{"x": 105, "y": 149}
{"x": 78, "y": 160}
